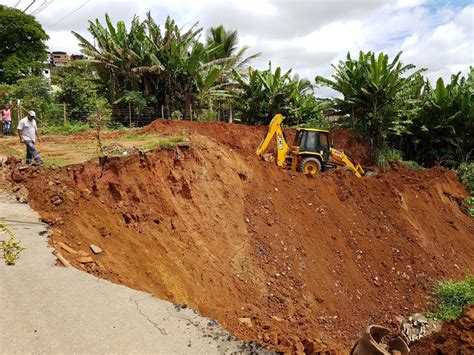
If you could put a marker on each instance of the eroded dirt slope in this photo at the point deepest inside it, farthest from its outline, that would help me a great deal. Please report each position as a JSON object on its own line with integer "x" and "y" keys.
{"x": 309, "y": 261}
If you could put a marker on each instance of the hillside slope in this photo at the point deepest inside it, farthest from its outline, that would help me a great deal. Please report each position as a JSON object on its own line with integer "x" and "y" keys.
{"x": 309, "y": 261}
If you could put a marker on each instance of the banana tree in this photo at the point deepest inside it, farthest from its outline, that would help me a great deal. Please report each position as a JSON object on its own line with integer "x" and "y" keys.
{"x": 445, "y": 124}
{"x": 369, "y": 87}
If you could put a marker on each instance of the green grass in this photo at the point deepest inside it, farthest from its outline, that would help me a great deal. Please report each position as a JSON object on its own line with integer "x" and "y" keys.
{"x": 384, "y": 156}
{"x": 451, "y": 296}
{"x": 412, "y": 165}
{"x": 49, "y": 161}
{"x": 164, "y": 142}
{"x": 67, "y": 129}
{"x": 465, "y": 172}
{"x": 5, "y": 149}
{"x": 469, "y": 204}
{"x": 135, "y": 136}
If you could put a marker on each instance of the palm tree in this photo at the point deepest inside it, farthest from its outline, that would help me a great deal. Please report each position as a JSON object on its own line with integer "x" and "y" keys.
{"x": 225, "y": 45}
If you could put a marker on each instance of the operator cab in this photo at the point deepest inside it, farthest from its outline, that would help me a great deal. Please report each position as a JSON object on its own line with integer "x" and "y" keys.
{"x": 311, "y": 141}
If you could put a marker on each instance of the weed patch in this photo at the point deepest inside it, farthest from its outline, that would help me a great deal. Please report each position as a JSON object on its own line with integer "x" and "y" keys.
{"x": 10, "y": 250}
{"x": 67, "y": 129}
{"x": 412, "y": 165}
{"x": 11, "y": 151}
{"x": 164, "y": 142}
{"x": 451, "y": 296}
{"x": 384, "y": 156}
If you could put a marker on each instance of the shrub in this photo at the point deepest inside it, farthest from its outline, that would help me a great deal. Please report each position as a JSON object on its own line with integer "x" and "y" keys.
{"x": 176, "y": 115}
{"x": 67, "y": 129}
{"x": 451, "y": 296}
{"x": 465, "y": 172}
{"x": 207, "y": 116}
{"x": 319, "y": 122}
{"x": 11, "y": 249}
{"x": 412, "y": 165}
{"x": 469, "y": 204}
{"x": 165, "y": 142}
{"x": 384, "y": 156}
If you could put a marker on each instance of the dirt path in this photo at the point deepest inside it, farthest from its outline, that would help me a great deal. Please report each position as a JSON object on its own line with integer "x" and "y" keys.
{"x": 51, "y": 309}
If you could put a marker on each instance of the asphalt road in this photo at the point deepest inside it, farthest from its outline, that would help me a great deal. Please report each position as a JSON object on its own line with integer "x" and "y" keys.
{"x": 49, "y": 309}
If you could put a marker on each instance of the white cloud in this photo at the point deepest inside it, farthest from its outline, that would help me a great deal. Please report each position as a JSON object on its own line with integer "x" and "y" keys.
{"x": 401, "y": 4}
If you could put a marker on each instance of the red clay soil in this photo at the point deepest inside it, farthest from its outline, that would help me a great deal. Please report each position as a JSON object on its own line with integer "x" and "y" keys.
{"x": 343, "y": 139}
{"x": 455, "y": 337}
{"x": 310, "y": 261}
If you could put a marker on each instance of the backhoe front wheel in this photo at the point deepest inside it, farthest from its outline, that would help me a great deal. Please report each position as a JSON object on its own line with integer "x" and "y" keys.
{"x": 310, "y": 166}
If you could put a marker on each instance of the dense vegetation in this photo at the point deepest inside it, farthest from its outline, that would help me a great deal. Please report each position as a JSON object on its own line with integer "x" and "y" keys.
{"x": 392, "y": 110}
{"x": 22, "y": 45}
{"x": 194, "y": 75}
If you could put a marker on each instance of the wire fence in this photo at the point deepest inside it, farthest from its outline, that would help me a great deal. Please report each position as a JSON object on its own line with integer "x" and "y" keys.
{"x": 63, "y": 114}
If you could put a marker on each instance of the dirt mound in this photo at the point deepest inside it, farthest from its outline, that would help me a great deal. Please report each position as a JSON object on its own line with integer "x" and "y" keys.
{"x": 358, "y": 150}
{"x": 295, "y": 263}
{"x": 455, "y": 337}
{"x": 244, "y": 139}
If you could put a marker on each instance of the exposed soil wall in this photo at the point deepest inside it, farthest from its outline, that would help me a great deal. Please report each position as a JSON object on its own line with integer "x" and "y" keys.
{"x": 309, "y": 261}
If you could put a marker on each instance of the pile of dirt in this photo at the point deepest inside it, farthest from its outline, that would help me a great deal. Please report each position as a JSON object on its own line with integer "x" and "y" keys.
{"x": 455, "y": 337}
{"x": 293, "y": 262}
{"x": 355, "y": 148}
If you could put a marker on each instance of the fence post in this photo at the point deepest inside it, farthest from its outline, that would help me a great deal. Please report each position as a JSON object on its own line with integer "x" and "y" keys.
{"x": 129, "y": 115}
{"x": 64, "y": 114}
{"x": 18, "y": 106}
{"x": 231, "y": 114}
{"x": 162, "y": 111}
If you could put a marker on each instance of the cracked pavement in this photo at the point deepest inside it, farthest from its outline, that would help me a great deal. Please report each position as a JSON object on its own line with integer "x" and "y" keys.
{"x": 49, "y": 309}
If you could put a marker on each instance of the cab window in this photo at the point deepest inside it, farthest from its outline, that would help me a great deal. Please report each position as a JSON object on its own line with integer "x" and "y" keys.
{"x": 324, "y": 140}
{"x": 312, "y": 140}
{"x": 298, "y": 138}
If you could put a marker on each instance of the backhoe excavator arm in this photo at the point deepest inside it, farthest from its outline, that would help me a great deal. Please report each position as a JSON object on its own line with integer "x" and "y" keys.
{"x": 341, "y": 158}
{"x": 274, "y": 128}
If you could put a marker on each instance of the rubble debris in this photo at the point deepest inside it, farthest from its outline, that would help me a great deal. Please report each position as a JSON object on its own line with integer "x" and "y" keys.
{"x": 95, "y": 249}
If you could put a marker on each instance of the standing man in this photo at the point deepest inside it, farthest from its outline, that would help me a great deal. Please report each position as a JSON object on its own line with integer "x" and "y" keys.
{"x": 28, "y": 132}
{"x": 7, "y": 120}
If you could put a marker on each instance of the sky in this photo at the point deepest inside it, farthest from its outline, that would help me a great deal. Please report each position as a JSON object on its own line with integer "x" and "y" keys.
{"x": 306, "y": 35}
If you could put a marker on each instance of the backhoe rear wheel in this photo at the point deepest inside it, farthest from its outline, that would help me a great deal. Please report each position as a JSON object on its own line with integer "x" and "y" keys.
{"x": 310, "y": 166}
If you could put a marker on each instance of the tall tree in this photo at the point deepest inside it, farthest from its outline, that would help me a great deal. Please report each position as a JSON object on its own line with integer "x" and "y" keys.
{"x": 22, "y": 45}
{"x": 369, "y": 86}
{"x": 262, "y": 94}
{"x": 226, "y": 45}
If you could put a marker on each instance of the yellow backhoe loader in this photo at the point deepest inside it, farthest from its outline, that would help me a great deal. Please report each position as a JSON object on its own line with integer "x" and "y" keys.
{"x": 311, "y": 152}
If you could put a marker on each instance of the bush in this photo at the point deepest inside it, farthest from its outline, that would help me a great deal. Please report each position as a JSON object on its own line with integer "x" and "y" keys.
{"x": 207, "y": 116}
{"x": 451, "y": 296}
{"x": 165, "y": 142}
{"x": 65, "y": 130}
{"x": 319, "y": 122}
{"x": 384, "y": 156}
{"x": 177, "y": 115}
{"x": 469, "y": 204}
{"x": 412, "y": 165}
{"x": 465, "y": 172}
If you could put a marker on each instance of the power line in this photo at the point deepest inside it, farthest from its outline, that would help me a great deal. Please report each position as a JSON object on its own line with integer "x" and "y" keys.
{"x": 42, "y": 7}
{"x": 68, "y": 15}
{"x": 29, "y": 6}
{"x": 12, "y": 22}
{"x": 14, "y": 6}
